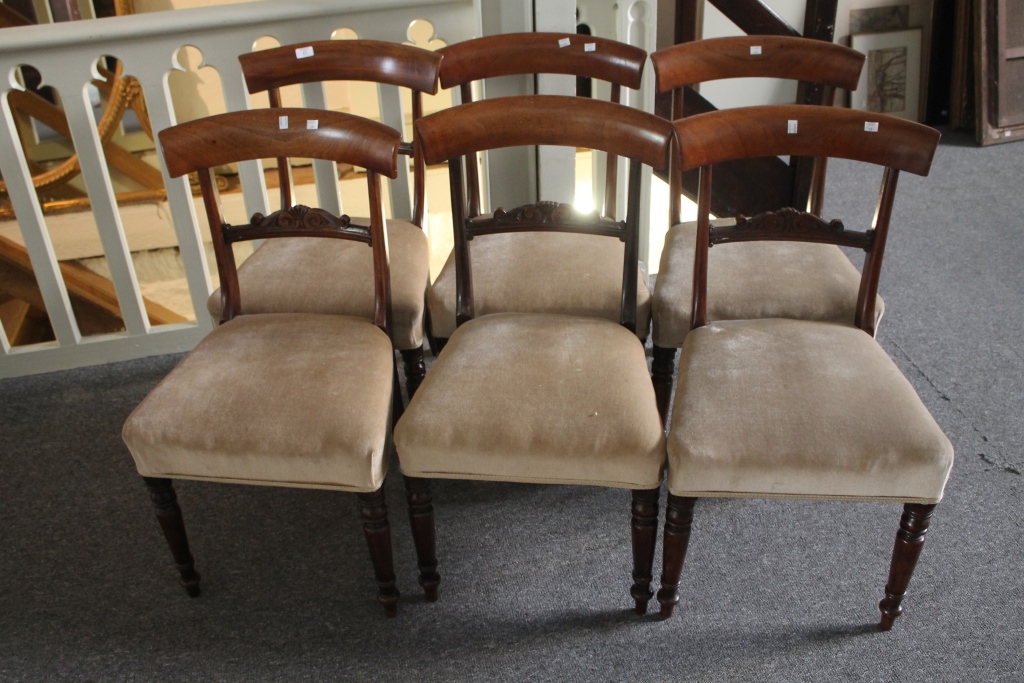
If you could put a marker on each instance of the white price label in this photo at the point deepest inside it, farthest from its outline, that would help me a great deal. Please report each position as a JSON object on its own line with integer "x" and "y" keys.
{"x": 303, "y": 52}
{"x": 871, "y": 126}
{"x": 589, "y": 47}
{"x": 312, "y": 124}
{"x": 564, "y": 42}
{"x": 755, "y": 49}
{"x": 282, "y": 122}
{"x": 791, "y": 127}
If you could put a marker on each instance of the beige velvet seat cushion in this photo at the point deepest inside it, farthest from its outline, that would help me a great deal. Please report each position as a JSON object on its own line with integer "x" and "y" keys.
{"x": 540, "y": 398}
{"x": 290, "y": 399}
{"x": 540, "y": 273}
{"x": 791, "y": 408}
{"x": 751, "y": 280}
{"x": 324, "y": 275}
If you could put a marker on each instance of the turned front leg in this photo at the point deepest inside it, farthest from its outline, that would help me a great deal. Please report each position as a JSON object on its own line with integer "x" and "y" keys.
{"x": 909, "y": 542}
{"x": 421, "y": 518}
{"x": 165, "y": 503}
{"x": 374, "y": 512}
{"x": 645, "y": 533}
{"x": 678, "y": 519}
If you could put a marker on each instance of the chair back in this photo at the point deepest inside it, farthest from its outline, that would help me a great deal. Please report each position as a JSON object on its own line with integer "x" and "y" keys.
{"x": 372, "y": 61}
{"x": 544, "y": 120}
{"x": 198, "y": 146}
{"x": 801, "y": 130}
{"x": 512, "y": 54}
{"x": 679, "y": 67}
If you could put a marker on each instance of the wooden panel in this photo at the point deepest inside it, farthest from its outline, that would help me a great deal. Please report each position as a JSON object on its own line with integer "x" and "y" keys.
{"x": 1010, "y": 95}
{"x": 999, "y": 70}
{"x": 9, "y": 18}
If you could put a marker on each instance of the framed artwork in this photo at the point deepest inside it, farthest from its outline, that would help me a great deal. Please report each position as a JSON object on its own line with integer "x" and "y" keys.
{"x": 891, "y": 80}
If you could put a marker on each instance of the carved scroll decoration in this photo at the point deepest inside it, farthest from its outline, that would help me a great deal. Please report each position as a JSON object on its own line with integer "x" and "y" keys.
{"x": 297, "y": 220}
{"x": 558, "y": 216}
{"x": 789, "y": 224}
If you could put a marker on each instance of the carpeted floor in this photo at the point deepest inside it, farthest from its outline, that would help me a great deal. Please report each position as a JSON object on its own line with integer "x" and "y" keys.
{"x": 535, "y": 578}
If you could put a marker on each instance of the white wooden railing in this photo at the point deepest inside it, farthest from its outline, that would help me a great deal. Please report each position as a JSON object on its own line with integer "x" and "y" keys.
{"x": 147, "y": 45}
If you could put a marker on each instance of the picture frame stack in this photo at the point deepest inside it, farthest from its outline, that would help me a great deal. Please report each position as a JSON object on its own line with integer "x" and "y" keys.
{"x": 896, "y": 39}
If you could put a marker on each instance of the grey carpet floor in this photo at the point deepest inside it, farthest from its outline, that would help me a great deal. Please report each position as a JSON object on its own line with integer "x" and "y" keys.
{"x": 535, "y": 578}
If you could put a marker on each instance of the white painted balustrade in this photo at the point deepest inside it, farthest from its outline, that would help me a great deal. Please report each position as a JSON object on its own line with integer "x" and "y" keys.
{"x": 148, "y": 46}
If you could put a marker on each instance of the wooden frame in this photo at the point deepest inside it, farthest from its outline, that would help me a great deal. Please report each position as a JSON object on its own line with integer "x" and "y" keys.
{"x": 755, "y": 18}
{"x": 557, "y": 120}
{"x": 823, "y": 132}
{"x": 999, "y": 72}
{"x": 891, "y": 82}
{"x": 205, "y": 143}
{"x": 619, "y": 64}
{"x": 349, "y": 60}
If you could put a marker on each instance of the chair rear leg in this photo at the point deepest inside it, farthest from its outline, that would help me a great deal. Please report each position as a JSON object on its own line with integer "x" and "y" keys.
{"x": 909, "y": 542}
{"x": 415, "y": 369}
{"x": 662, "y": 368}
{"x": 645, "y": 533}
{"x": 678, "y": 519}
{"x": 374, "y": 512}
{"x": 165, "y": 503}
{"x": 421, "y": 518}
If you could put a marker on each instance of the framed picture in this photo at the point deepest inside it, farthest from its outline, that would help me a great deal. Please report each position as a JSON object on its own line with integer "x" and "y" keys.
{"x": 891, "y": 80}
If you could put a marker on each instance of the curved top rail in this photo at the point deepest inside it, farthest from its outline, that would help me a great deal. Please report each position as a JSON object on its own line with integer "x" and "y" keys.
{"x": 342, "y": 60}
{"x": 800, "y": 59}
{"x": 820, "y": 132}
{"x": 257, "y": 134}
{"x": 196, "y": 20}
{"x": 545, "y": 120}
{"x": 540, "y": 53}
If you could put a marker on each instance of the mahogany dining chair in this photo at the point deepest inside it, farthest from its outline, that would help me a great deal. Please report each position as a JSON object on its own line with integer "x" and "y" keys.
{"x": 554, "y": 273}
{"x": 318, "y": 276}
{"x": 296, "y": 399}
{"x": 540, "y": 397}
{"x": 805, "y": 409}
{"x": 763, "y": 279}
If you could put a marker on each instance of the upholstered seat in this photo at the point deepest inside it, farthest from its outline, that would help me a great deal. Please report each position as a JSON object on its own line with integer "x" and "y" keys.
{"x": 336, "y": 277}
{"x": 284, "y": 399}
{"x": 778, "y": 279}
{"x": 797, "y": 409}
{"x": 536, "y": 398}
{"x": 562, "y": 273}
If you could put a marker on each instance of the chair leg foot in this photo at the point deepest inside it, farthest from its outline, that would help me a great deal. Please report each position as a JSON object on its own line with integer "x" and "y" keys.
{"x": 662, "y": 368}
{"x": 421, "y": 518}
{"x": 374, "y": 511}
{"x": 645, "y": 532}
{"x": 165, "y": 503}
{"x": 678, "y": 519}
{"x": 415, "y": 369}
{"x": 909, "y": 542}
